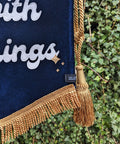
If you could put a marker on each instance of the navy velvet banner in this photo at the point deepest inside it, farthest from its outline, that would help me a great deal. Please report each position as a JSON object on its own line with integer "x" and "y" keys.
{"x": 36, "y": 50}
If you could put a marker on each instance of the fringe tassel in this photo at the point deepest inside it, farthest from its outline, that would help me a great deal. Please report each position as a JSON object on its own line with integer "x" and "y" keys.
{"x": 21, "y": 121}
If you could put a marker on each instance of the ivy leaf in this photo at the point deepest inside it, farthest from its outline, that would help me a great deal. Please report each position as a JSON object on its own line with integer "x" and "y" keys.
{"x": 115, "y": 2}
{"x": 90, "y": 73}
{"x": 97, "y": 78}
{"x": 86, "y": 59}
{"x": 99, "y": 70}
{"x": 114, "y": 59}
{"x": 101, "y": 61}
{"x": 118, "y": 27}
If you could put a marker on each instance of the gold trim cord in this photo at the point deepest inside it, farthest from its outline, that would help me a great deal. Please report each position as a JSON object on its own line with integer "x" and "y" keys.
{"x": 83, "y": 115}
{"x": 21, "y": 121}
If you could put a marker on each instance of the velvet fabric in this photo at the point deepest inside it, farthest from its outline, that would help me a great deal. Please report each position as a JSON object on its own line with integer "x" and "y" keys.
{"x": 20, "y": 86}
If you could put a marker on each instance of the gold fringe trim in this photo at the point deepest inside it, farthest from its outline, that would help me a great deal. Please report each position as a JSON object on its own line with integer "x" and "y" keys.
{"x": 21, "y": 121}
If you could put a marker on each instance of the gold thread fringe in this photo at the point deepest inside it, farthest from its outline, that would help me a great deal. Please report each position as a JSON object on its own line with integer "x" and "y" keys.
{"x": 21, "y": 121}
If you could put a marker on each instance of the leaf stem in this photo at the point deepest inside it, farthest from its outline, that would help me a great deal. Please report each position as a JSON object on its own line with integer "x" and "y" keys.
{"x": 95, "y": 72}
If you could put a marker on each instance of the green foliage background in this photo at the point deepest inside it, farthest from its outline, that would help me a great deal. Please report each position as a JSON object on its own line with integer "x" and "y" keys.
{"x": 101, "y": 56}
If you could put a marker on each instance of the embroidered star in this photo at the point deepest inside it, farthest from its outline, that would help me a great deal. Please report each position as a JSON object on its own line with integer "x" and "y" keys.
{"x": 57, "y": 70}
{"x": 55, "y": 59}
{"x": 62, "y": 63}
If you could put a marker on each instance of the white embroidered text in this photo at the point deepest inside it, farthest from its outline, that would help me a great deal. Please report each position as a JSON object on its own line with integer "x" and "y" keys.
{"x": 33, "y": 58}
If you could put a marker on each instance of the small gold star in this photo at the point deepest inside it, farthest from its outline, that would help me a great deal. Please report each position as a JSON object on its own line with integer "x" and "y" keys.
{"x": 55, "y": 59}
{"x": 62, "y": 63}
{"x": 57, "y": 70}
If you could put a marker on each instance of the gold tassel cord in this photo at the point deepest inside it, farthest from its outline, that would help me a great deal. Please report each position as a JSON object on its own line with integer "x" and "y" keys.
{"x": 21, "y": 121}
{"x": 83, "y": 115}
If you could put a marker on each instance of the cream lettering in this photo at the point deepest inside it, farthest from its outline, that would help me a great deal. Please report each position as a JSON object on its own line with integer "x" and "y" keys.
{"x": 17, "y": 16}
{"x": 33, "y": 58}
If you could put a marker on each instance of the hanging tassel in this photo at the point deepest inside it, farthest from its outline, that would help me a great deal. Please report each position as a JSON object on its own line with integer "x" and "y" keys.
{"x": 83, "y": 115}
